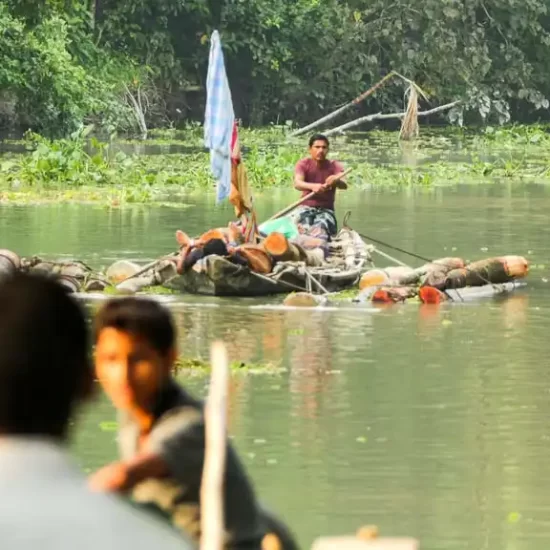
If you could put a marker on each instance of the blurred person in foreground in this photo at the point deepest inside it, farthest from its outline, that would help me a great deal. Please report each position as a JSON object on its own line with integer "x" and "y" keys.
{"x": 162, "y": 431}
{"x": 44, "y": 375}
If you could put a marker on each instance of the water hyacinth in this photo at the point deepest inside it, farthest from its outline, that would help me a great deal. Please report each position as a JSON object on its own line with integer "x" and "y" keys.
{"x": 170, "y": 165}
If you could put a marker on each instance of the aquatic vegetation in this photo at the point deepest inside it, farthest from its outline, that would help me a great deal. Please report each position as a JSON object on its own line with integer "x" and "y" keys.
{"x": 345, "y": 295}
{"x": 83, "y": 169}
{"x": 197, "y": 366}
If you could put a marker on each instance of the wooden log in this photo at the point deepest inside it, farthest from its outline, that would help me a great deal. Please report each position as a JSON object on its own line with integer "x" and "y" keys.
{"x": 95, "y": 284}
{"x": 164, "y": 271}
{"x": 302, "y": 299}
{"x": 515, "y": 266}
{"x": 393, "y": 275}
{"x": 257, "y": 258}
{"x": 380, "y": 116}
{"x": 121, "y": 270}
{"x": 393, "y": 295}
{"x": 71, "y": 284}
{"x": 480, "y": 273}
{"x": 14, "y": 258}
{"x": 135, "y": 284}
{"x": 345, "y": 107}
{"x": 278, "y": 246}
{"x": 347, "y": 244}
{"x": 312, "y": 258}
{"x": 9, "y": 263}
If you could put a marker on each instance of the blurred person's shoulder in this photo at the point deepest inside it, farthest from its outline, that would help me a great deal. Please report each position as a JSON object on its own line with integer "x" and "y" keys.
{"x": 45, "y": 503}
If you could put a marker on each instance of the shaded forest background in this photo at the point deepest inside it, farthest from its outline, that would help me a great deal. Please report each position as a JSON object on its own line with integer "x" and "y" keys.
{"x": 69, "y": 62}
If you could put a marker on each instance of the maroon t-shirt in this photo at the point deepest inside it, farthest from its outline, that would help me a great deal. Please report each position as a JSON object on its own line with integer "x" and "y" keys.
{"x": 313, "y": 173}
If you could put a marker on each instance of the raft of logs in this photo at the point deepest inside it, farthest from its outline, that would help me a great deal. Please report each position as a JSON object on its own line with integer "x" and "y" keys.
{"x": 301, "y": 268}
{"x": 272, "y": 266}
{"x": 445, "y": 279}
{"x": 78, "y": 277}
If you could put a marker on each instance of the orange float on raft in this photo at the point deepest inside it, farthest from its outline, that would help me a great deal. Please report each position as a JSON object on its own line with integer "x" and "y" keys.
{"x": 373, "y": 277}
{"x": 431, "y": 295}
{"x": 394, "y": 294}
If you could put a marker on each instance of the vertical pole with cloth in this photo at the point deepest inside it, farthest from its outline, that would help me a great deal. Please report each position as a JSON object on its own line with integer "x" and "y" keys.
{"x": 221, "y": 138}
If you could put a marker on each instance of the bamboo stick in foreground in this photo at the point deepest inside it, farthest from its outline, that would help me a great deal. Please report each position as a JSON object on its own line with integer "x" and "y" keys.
{"x": 212, "y": 514}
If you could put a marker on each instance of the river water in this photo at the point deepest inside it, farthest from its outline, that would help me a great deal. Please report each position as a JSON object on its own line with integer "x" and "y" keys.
{"x": 427, "y": 421}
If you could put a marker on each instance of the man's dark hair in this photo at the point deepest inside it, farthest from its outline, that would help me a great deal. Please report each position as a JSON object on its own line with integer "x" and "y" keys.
{"x": 318, "y": 137}
{"x": 141, "y": 317}
{"x": 44, "y": 363}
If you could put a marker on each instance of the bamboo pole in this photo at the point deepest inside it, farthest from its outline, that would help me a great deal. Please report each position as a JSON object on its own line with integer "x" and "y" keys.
{"x": 149, "y": 266}
{"x": 294, "y": 205}
{"x": 211, "y": 492}
{"x": 345, "y": 107}
{"x": 388, "y": 257}
{"x": 380, "y": 116}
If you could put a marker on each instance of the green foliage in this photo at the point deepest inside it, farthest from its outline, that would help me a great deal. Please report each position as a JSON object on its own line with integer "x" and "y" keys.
{"x": 53, "y": 92}
{"x": 67, "y": 162}
{"x": 83, "y": 169}
{"x": 65, "y": 62}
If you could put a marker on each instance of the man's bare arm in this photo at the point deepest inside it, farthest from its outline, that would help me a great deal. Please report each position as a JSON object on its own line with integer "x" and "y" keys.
{"x": 336, "y": 181}
{"x": 125, "y": 475}
{"x": 301, "y": 185}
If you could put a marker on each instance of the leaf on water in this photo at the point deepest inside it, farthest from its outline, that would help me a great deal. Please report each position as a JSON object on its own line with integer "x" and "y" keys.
{"x": 513, "y": 517}
{"x": 109, "y": 426}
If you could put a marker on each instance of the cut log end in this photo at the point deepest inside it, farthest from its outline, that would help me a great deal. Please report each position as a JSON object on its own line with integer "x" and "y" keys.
{"x": 301, "y": 299}
{"x": 276, "y": 244}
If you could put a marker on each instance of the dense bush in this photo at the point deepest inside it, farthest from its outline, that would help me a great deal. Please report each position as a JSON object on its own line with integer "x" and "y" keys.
{"x": 65, "y": 61}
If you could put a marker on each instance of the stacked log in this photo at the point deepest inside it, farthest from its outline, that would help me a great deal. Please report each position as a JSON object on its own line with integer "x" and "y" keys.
{"x": 443, "y": 279}
{"x": 10, "y": 262}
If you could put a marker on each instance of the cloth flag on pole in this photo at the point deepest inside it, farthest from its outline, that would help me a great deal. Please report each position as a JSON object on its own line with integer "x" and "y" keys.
{"x": 222, "y": 138}
{"x": 219, "y": 118}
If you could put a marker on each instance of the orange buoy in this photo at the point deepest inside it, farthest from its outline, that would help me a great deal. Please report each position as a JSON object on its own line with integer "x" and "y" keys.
{"x": 431, "y": 295}
{"x": 373, "y": 277}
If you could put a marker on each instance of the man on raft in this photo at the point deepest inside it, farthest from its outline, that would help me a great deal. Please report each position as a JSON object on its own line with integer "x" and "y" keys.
{"x": 320, "y": 175}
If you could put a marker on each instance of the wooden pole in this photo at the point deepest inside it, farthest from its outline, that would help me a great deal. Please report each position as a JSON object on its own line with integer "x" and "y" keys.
{"x": 345, "y": 107}
{"x": 149, "y": 266}
{"x": 380, "y": 116}
{"x": 294, "y": 205}
{"x": 211, "y": 493}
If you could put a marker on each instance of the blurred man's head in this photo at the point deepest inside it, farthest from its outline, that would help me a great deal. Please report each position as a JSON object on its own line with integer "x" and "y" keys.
{"x": 135, "y": 351}
{"x": 44, "y": 365}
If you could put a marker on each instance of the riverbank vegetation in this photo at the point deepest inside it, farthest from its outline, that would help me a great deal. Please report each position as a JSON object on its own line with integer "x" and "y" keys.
{"x": 173, "y": 164}
{"x": 65, "y": 64}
